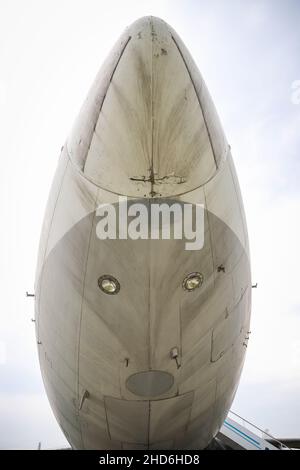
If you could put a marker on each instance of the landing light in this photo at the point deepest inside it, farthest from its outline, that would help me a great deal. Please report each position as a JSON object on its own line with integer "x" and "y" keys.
{"x": 192, "y": 281}
{"x": 109, "y": 284}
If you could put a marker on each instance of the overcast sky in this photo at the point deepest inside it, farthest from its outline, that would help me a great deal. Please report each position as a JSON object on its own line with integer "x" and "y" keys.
{"x": 249, "y": 54}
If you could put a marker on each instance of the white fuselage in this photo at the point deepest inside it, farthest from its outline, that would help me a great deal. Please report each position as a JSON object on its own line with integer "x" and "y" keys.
{"x": 149, "y": 131}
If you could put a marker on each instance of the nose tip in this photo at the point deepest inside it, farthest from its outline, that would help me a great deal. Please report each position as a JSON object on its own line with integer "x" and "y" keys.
{"x": 148, "y": 126}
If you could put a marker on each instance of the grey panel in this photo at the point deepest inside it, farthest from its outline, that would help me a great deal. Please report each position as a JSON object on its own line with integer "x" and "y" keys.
{"x": 128, "y": 420}
{"x": 229, "y": 328}
{"x": 150, "y": 383}
{"x": 130, "y": 446}
{"x": 201, "y": 419}
{"x": 169, "y": 418}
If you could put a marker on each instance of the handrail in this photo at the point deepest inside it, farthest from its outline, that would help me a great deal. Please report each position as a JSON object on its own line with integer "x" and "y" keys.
{"x": 263, "y": 432}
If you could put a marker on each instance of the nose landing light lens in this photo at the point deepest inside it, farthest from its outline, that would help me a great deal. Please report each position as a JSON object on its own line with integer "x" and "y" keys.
{"x": 192, "y": 281}
{"x": 109, "y": 284}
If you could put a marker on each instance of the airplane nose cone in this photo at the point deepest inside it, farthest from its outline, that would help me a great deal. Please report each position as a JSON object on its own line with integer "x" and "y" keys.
{"x": 148, "y": 126}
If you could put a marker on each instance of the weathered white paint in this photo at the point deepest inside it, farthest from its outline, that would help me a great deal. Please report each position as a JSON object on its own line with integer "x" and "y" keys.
{"x": 147, "y": 129}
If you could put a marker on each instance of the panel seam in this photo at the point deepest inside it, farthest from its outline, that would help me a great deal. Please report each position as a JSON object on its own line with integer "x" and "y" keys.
{"x": 199, "y": 101}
